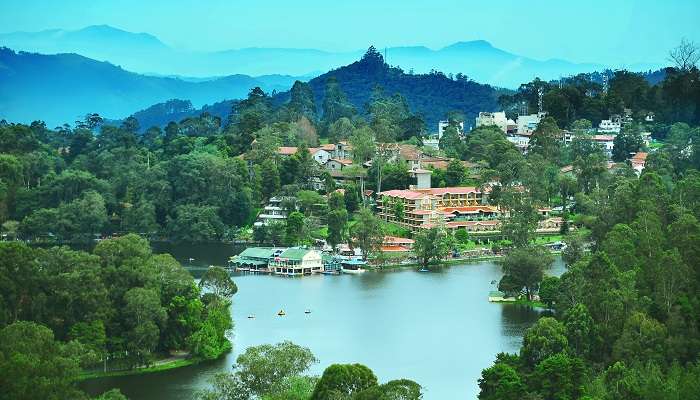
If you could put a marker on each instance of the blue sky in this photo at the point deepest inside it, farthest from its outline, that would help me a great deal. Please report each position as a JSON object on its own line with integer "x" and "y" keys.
{"x": 613, "y": 32}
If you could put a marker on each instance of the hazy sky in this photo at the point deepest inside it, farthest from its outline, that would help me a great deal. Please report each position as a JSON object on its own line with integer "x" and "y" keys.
{"x": 605, "y": 31}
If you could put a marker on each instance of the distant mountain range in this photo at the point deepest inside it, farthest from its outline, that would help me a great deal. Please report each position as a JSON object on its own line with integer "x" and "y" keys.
{"x": 144, "y": 53}
{"x": 62, "y": 88}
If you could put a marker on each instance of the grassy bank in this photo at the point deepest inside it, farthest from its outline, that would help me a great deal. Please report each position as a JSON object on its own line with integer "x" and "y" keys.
{"x": 164, "y": 366}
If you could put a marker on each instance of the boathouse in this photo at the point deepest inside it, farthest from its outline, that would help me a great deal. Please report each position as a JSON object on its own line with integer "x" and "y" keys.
{"x": 296, "y": 261}
{"x": 255, "y": 259}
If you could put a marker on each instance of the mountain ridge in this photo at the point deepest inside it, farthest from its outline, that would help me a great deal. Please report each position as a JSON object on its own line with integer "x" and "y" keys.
{"x": 478, "y": 59}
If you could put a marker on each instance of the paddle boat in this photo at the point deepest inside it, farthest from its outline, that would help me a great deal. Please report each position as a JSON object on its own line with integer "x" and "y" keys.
{"x": 281, "y": 313}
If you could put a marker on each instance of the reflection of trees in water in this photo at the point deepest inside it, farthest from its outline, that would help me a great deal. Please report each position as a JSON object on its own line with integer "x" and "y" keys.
{"x": 516, "y": 318}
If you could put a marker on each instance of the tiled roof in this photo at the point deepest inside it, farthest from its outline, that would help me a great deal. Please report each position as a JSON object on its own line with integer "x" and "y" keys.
{"x": 603, "y": 138}
{"x": 404, "y": 194}
{"x": 394, "y": 249}
{"x": 451, "y": 190}
{"x": 639, "y": 157}
{"x": 459, "y": 224}
{"x": 343, "y": 161}
{"x": 328, "y": 147}
{"x": 395, "y": 240}
{"x": 471, "y": 209}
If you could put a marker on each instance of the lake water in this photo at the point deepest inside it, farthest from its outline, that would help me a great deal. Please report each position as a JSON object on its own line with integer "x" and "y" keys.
{"x": 435, "y": 328}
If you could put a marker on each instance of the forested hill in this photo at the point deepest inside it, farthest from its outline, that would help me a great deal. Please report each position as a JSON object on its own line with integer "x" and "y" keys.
{"x": 433, "y": 95}
{"x": 65, "y": 87}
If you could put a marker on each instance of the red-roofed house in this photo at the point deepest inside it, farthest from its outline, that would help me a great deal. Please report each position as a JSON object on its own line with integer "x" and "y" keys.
{"x": 638, "y": 162}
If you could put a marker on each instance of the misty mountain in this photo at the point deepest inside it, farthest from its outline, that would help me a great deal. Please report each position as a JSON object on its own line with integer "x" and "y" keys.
{"x": 61, "y": 88}
{"x": 144, "y": 53}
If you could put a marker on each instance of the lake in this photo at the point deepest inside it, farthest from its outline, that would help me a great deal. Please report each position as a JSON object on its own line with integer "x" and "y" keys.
{"x": 436, "y": 328}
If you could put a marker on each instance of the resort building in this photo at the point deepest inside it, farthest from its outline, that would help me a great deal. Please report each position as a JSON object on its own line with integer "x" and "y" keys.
{"x": 254, "y": 259}
{"x": 296, "y": 261}
{"x": 421, "y": 208}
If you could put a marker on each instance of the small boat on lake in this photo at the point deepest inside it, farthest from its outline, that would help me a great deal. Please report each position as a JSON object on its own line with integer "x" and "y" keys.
{"x": 251, "y": 316}
{"x": 424, "y": 270}
{"x": 281, "y": 313}
{"x": 307, "y": 311}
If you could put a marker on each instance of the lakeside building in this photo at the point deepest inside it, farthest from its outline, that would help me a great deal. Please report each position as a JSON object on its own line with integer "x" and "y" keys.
{"x": 255, "y": 259}
{"x": 296, "y": 261}
{"x": 394, "y": 244}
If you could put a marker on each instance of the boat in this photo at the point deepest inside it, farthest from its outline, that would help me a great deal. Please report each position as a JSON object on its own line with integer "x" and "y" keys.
{"x": 281, "y": 313}
{"x": 307, "y": 311}
{"x": 353, "y": 266}
{"x": 424, "y": 270}
{"x": 251, "y": 316}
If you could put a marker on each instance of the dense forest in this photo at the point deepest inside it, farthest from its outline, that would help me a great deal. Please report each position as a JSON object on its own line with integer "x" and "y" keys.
{"x": 625, "y": 320}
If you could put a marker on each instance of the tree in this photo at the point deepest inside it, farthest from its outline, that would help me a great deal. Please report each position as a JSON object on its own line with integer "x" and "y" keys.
{"x": 34, "y": 365}
{"x": 560, "y": 377}
{"x": 549, "y": 290}
{"x": 685, "y": 56}
{"x": 219, "y": 282}
{"x": 521, "y": 223}
{"x": 451, "y": 143}
{"x": 270, "y": 178}
{"x": 524, "y": 268}
{"x": 501, "y": 382}
{"x": 432, "y": 245}
{"x": 580, "y": 330}
{"x": 195, "y": 224}
{"x": 455, "y": 174}
{"x": 642, "y": 340}
{"x": 145, "y": 317}
{"x": 363, "y": 145}
{"x": 261, "y": 371}
{"x": 367, "y": 233}
{"x": 337, "y": 219}
{"x": 543, "y": 340}
{"x": 546, "y": 140}
{"x": 343, "y": 380}
{"x": 575, "y": 248}
{"x": 626, "y": 143}
{"x": 295, "y": 226}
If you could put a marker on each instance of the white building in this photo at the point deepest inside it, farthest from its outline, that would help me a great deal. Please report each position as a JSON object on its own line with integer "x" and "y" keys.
{"x": 612, "y": 125}
{"x": 296, "y": 261}
{"x": 606, "y": 142}
{"x": 320, "y": 155}
{"x": 528, "y": 123}
{"x": 520, "y": 141}
{"x": 442, "y": 125}
{"x": 493, "y": 118}
{"x": 273, "y": 211}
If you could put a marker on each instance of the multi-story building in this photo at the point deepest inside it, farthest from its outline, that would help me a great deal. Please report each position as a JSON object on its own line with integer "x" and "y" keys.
{"x": 612, "y": 125}
{"x": 494, "y": 118}
{"x": 528, "y": 123}
{"x": 606, "y": 142}
{"x": 420, "y": 208}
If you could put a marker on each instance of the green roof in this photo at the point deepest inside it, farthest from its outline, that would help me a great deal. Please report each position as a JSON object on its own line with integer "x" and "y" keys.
{"x": 257, "y": 252}
{"x": 294, "y": 254}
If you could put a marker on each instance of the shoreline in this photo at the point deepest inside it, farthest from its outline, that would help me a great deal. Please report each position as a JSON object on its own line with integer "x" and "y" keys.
{"x": 165, "y": 366}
